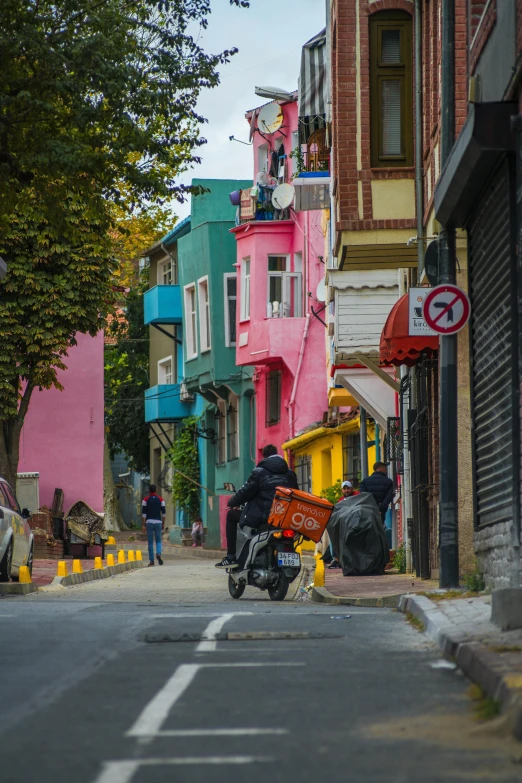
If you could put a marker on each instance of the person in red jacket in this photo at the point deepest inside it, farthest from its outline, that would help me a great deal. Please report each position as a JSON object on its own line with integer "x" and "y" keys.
{"x": 153, "y": 514}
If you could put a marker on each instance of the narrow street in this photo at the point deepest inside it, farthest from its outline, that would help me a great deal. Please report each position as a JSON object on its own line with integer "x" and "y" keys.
{"x": 133, "y": 679}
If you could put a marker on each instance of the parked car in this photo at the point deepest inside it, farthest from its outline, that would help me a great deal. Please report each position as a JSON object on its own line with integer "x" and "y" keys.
{"x": 16, "y": 537}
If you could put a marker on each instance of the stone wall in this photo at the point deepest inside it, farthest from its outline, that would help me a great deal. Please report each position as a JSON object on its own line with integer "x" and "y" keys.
{"x": 498, "y": 555}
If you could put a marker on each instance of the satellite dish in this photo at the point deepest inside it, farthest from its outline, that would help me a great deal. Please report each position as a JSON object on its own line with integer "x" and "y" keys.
{"x": 320, "y": 293}
{"x": 274, "y": 93}
{"x": 283, "y": 196}
{"x": 270, "y": 118}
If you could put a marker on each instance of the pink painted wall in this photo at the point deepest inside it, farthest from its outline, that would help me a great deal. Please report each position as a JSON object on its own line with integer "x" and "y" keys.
{"x": 275, "y": 343}
{"x": 63, "y": 434}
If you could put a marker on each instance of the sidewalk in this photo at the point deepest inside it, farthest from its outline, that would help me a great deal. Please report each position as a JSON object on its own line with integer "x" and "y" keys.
{"x": 491, "y": 658}
{"x": 383, "y": 590}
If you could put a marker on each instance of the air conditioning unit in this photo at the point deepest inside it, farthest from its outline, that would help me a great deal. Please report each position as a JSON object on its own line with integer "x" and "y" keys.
{"x": 27, "y": 491}
{"x": 184, "y": 394}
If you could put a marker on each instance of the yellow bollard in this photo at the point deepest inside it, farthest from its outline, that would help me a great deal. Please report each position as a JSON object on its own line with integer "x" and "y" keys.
{"x": 77, "y": 567}
{"x": 62, "y": 568}
{"x": 121, "y": 556}
{"x": 138, "y": 554}
{"x": 24, "y": 576}
{"x": 131, "y": 556}
{"x": 110, "y": 560}
{"x": 111, "y": 540}
{"x": 98, "y": 563}
{"x": 319, "y": 572}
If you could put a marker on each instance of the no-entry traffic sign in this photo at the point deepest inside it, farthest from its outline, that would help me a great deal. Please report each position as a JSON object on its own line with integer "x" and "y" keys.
{"x": 446, "y": 309}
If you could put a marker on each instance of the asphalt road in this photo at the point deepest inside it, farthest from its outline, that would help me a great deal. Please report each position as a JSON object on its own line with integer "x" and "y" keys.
{"x": 130, "y": 679}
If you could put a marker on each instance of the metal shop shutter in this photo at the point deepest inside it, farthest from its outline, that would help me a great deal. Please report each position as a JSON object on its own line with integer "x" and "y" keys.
{"x": 494, "y": 348}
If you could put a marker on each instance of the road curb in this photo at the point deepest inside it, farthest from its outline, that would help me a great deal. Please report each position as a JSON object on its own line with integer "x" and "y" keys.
{"x": 96, "y": 573}
{"x": 187, "y": 551}
{"x": 480, "y": 664}
{"x": 322, "y": 596}
{"x": 15, "y": 588}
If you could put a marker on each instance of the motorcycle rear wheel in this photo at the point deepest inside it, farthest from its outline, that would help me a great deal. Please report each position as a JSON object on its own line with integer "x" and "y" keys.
{"x": 278, "y": 591}
{"x": 235, "y": 590}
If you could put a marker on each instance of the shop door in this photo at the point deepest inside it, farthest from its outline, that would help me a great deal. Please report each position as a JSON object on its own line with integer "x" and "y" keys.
{"x": 494, "y": 351}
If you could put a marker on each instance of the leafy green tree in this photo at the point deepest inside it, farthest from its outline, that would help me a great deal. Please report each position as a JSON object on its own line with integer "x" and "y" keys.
{"x": 97, "y": 111}
{"x": 333, "y": 494}
{"x": 184, "y": 457}
{"x": 101, "y": 93}
{"x": 126, "y": 379}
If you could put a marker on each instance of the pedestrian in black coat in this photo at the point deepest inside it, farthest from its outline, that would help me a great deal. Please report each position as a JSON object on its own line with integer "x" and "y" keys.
{"x": 256, "y": 496}
{"x": 380, "y": 486}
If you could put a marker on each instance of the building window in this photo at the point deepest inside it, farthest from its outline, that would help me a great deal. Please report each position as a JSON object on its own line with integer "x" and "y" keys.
{"x": 262, "y": 158}
{"x": 352, "y": 458}
{"x": 167, "y": 272}
{"x": 273, "y": 397}
{"x": 204, "y": 314}
{"x": 221, "y": 423}
{"x": 284, "y": 289}
{"x": 245, "y": 289}
{"x": 190, "y": 321}
{"x": 165, "y": 371}
{"x": 391, "y": 89}
{"x": 232, "y": 427}
{"x": 303, "y": 471}
{"x": 230, "y": 309}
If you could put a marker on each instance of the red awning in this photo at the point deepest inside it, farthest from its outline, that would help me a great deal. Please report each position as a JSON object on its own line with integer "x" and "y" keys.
{"x": 397, "y": 347}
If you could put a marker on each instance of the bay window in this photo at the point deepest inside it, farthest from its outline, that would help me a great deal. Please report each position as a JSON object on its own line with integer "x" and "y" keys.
{"x": 204, "y": 314}
{"x": 391, "y": 87}
{"x": 245, "y": 289}
{"x": 190, "y": 321}
{"x": 284, "y": 289}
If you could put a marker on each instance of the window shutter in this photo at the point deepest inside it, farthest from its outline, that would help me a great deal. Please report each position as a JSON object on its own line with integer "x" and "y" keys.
{"x": 391, "y": 116}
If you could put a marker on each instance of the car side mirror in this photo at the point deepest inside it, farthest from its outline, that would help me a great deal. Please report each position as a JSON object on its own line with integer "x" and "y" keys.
{"x": 26, "y": 513}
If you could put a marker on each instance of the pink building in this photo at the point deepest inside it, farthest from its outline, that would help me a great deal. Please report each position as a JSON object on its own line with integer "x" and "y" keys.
{"x": 63, "y": 434}
{"x": 280, "y": 265}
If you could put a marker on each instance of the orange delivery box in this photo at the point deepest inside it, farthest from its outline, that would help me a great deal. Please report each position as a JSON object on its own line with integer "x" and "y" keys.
{"x": 300, "y": 511}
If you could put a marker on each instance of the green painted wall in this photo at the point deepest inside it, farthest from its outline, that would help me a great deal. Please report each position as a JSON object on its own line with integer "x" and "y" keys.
{"x": 210, "y": 250}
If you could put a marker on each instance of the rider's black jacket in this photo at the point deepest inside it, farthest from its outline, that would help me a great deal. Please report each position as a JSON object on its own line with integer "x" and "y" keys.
{"x": 259, "y": 489}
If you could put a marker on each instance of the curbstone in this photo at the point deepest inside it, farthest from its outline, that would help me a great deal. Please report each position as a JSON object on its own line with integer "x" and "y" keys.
{"x": 484, "y": 667}
{"x": 17, "y": 588}
{"x": 322, "y": 596}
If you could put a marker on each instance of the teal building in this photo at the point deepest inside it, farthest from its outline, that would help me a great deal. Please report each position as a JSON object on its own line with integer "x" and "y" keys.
{"x": 206, "y": 257}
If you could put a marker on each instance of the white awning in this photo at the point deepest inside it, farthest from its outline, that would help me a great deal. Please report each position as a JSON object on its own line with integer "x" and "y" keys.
{"x": 372, "y": 393}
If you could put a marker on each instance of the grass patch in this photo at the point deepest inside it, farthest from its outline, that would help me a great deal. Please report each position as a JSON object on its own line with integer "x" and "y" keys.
{"x": 415, "y": 622}
{"x": 449, "y": 595}
{"x": 506, "y": 648}
{"x": 485, "y": 708}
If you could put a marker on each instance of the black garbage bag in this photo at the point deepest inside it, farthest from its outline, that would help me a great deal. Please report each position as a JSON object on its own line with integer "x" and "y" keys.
{"x": 357, "y": 534}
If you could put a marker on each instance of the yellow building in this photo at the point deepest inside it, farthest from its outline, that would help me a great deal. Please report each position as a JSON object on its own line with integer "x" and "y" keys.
{"x": 330, "y": 453}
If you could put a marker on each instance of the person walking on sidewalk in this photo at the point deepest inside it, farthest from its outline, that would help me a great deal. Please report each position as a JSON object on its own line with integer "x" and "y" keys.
{"x": 380, "y": 486}
{"x": 153, "y": 514}
{"x": 198, "y": 532}
{"x": 256, "y": 496}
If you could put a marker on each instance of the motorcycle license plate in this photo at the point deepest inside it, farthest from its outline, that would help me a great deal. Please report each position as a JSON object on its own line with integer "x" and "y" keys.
{"x": 291, "y": 559}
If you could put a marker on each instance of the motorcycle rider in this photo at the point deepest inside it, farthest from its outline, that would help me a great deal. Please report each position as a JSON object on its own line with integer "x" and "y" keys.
{"x": 256, "y": 495}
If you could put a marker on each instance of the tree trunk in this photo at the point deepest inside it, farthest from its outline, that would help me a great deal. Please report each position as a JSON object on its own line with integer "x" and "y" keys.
{"x": 111, "y": 505}
{"x": 10, "y": 431}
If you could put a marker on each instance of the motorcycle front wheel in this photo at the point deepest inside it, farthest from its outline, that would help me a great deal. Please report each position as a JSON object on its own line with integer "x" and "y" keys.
{"x": 278, "y": 591}
{"x": 235, "y": 590}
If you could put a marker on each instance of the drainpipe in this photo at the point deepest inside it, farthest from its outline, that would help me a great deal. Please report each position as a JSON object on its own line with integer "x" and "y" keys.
{"x": 291, "y": 404}
{"x": 448, "y": 486}
{"x": 419, "y": 185}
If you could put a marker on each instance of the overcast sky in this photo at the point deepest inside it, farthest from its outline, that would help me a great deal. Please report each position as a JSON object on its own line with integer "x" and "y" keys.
{"x": 269, "y": 36}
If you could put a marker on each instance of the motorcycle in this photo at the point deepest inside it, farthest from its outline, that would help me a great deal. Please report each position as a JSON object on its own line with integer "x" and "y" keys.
{"x": 268, "y": 561}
